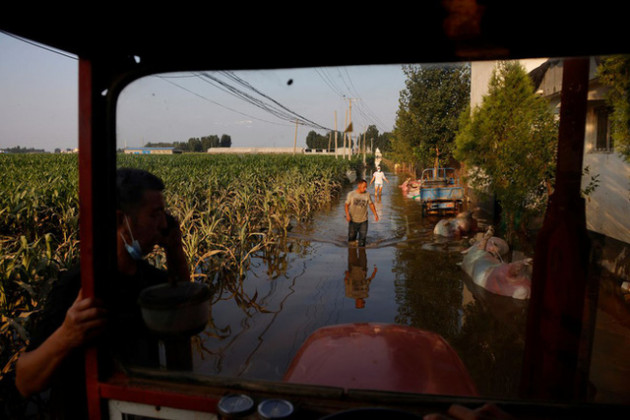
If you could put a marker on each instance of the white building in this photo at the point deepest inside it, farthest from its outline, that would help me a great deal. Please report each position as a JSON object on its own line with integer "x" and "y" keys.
{"x": 151, "y": 151}
{"x": 608, "y": 206}
{"x": 275, "y": 150}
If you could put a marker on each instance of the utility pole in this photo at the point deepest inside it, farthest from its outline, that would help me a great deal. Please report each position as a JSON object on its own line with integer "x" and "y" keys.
{"x": 364, "y": 146}
{"x": 336, "y": 144}
{"x": 295, "y": 139}
{"x": 349, "y": 126}
{"x": 345, "y": 137}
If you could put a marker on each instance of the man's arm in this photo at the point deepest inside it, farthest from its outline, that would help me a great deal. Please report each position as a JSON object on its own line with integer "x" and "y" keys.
{"x": 348, "y": 218}
{"x": 177, "y": 263}
{"x": 84, "y": 320}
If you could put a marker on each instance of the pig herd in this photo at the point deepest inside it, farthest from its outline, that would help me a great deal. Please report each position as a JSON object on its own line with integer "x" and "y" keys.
{"x": 484, "y": 260}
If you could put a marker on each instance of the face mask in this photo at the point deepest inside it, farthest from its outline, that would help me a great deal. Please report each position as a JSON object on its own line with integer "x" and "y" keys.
{"x": 134, "y": 250}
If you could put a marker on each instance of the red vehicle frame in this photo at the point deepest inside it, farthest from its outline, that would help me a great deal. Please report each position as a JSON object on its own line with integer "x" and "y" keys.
{"x": 552, "y": 377}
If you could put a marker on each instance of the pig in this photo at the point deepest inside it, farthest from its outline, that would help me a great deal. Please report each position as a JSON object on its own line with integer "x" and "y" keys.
{"x": 410, "y": 188}
{"x": 446, "y": 228}
{"x": 461, "y": 224}
{"x": 497, "y": 247}
{"x": 511, "y": 279}
{"x": 488, "y": 271}
{"x": 492, "y": 244}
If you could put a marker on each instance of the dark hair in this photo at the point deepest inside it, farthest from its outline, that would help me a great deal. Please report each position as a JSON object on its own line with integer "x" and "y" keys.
{"x": 131, "y": 184}
{"x": 361, "y": 181}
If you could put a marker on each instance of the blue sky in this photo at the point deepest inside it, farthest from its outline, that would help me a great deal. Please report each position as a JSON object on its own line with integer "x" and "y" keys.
{"x": 38, "y": 102}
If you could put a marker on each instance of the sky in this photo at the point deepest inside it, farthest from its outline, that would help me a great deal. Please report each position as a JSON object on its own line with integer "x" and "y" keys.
{"x": 38, "y": 102}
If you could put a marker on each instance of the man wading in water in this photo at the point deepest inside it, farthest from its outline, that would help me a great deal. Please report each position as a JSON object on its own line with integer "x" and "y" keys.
{"x": 357, "y": 203}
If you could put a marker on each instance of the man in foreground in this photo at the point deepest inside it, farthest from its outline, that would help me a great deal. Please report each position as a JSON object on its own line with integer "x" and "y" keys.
{"x": 357, "y": 202}
{"x": 70, "y": 322}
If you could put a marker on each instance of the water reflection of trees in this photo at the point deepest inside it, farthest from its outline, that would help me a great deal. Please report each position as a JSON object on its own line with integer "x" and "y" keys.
{"x": 492, "y": 340}
{"x": 428, "y": 290}
{"x": 487, "y": 331}
{"x": 268, "y": 270}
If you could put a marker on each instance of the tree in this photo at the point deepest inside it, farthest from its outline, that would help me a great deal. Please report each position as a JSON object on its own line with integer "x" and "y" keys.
{"x": 428, "y": 112}
{"x": 509, "y": 143}
{"x": 194, "y": 144}
{"x": 226, "y": 141}
{"x": 208, "y": 142}
{"x": 319, "y": 141}
{"x": 316, "y": 141}
{"x": 614, "y": 72}
{"x": 383, "y": 142}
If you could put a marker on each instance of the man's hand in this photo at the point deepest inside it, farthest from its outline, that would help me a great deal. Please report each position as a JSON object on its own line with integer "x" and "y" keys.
{"x": 171, "y": 237}
{"x": 85, "y": 319}
{"x": 176, "y": 260}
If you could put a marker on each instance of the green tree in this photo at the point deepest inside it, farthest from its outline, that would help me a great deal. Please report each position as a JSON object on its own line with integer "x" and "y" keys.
{"x": 209, "y": 141}
{"x": 322, "y": 141}
{"x": 194, "y": 144}
{"x": 371, "y": 137}
{"x": 428, "y": 113}
{"x": 383, "y": 142}
{"x": 509, "y": 144}
{"x": 226, "y": 141}
{"x": 614, "y": 72}
{"x": 316, "y": 141}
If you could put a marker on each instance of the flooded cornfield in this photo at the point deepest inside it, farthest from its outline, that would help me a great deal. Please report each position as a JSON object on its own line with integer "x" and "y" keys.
{"x": 404, "y": 275}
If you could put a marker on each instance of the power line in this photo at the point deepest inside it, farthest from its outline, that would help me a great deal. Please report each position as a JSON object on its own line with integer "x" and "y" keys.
{"x": 362, "y": 109}
{"x": 211, "y": 101}
{"x": 267, "y": 103}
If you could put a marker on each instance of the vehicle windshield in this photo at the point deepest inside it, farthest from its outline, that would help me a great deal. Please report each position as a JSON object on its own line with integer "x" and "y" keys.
{"x": 258, "y": 165}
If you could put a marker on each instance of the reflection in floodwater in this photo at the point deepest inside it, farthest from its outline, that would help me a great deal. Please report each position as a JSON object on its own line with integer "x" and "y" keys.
{"x": 356, "y": 279}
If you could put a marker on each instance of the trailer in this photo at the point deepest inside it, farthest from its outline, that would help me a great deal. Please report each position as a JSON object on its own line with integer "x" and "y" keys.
{"x": 440, "y": 191}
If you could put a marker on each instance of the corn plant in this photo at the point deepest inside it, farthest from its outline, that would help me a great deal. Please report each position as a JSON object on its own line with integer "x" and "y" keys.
{"x": 230, "y": 207}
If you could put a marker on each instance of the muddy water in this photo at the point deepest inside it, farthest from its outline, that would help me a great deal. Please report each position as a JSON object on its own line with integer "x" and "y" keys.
{"x": 402, "y": 276}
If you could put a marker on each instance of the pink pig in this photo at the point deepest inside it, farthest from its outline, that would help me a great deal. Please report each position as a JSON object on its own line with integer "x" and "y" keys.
{"x": 457, "y": 226}
{"x": 481, "y": 262}
{"x": 512, "y": 279}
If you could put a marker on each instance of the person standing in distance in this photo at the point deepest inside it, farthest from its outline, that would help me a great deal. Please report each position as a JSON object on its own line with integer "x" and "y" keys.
{"x": 357, "y": 202}
{"x": 378, "y": 179}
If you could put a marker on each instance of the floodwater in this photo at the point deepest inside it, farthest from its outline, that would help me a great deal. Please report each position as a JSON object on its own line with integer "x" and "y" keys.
{"x": 402, "y": 276}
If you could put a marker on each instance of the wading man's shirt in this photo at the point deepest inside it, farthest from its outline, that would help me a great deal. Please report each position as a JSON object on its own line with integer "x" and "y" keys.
{"x": 358, "y": 205}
